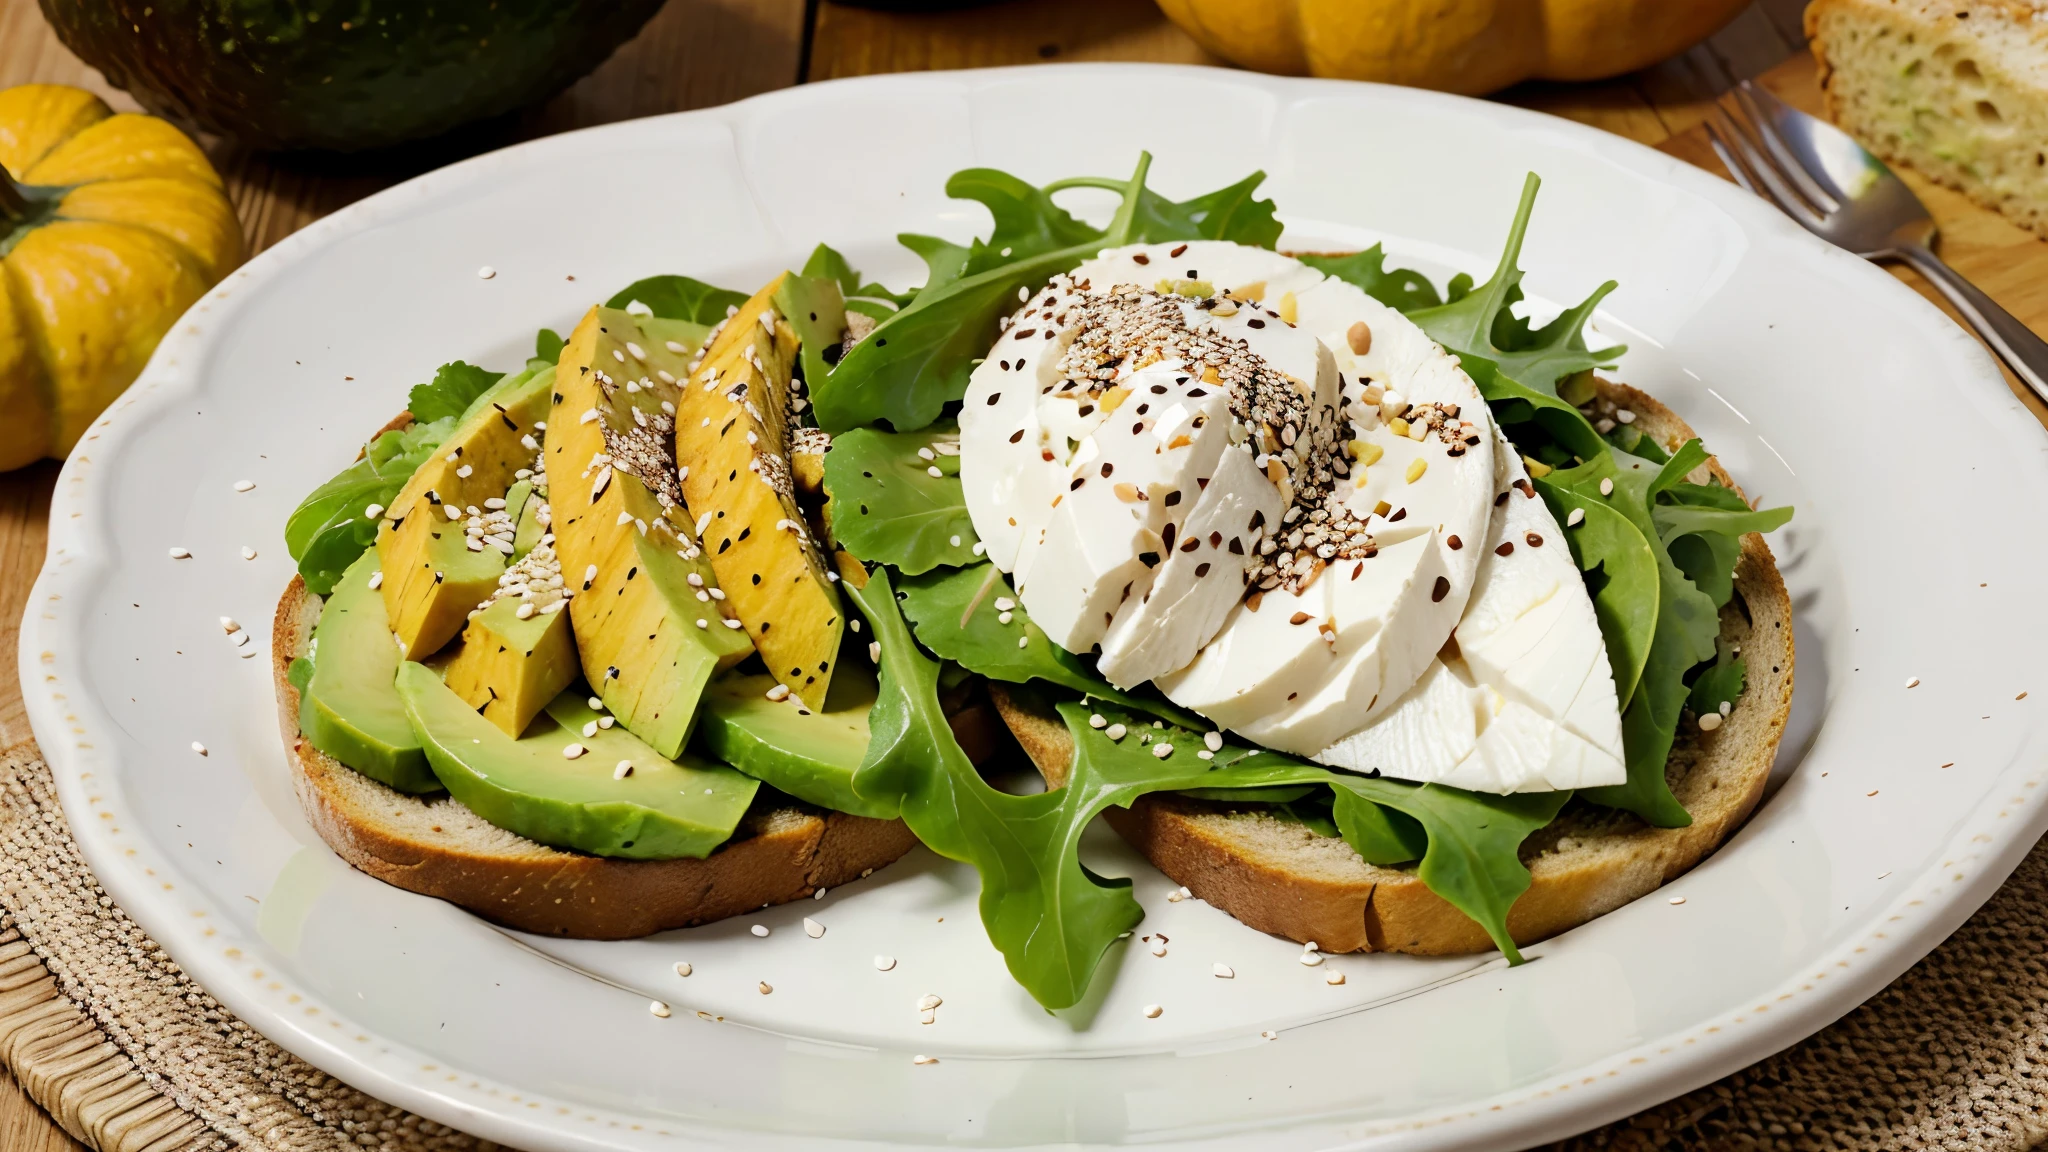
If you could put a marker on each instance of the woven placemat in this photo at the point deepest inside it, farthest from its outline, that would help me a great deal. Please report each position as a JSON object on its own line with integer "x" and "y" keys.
{"x": 129, "y": 1055}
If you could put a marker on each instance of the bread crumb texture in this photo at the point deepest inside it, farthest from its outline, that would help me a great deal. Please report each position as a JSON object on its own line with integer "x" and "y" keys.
{"x": 1956, "y": 89}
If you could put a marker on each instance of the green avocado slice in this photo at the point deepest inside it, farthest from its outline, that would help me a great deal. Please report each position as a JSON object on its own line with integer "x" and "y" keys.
{"x": 810, "y": 755}
{"x": 349, "y": 709}
{"x": 664, "y": 810}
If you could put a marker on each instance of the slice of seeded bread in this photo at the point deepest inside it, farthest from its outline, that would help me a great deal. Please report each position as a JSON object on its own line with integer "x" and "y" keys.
{"x": 1281, "y": 877}
{"x": 434, "y": 846}
{"x": 1957, "y": 89}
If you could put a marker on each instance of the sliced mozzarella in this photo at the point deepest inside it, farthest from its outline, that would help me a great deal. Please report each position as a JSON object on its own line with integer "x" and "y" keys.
{"x": 1008, "y": 469}
{"x": 1376, "y": 623}
{"x": 1527, "y": 704}
{"x": 1201, "y": 581}
{"x": 1130, "y": 484}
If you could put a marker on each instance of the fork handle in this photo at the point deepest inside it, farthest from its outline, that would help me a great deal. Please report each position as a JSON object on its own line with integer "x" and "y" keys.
{"x": 2016, "y": 344}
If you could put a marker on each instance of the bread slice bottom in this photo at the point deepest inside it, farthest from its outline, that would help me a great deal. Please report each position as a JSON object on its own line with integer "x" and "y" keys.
{"x": 437, "y": 847}
{"x": 1281, "y": 877}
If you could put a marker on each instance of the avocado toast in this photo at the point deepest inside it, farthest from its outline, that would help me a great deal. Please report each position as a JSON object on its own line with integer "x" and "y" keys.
{"x": 1365, "y": 610}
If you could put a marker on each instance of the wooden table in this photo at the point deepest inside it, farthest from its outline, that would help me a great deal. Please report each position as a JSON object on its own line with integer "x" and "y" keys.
{"x": 704, "y": 52}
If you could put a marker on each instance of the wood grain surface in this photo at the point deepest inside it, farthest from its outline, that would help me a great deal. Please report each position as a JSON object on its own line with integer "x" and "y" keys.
{"x": 698, "y": 53}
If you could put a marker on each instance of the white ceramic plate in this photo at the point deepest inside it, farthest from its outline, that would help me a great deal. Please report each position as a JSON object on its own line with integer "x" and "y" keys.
{"x": 1820, "y": 381}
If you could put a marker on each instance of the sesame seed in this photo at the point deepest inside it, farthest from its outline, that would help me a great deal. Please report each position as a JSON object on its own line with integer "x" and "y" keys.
{"x": 373, "y": 511}
{"x": 1205, "y": 754}
{"x": 1115, "y": 731}
{"x": 238, "y": 639}
{"x": 1223, "y": 971}
{"x": 180, "y": 554}
{"x": 884, "y": 963}
{"x": 921, "y": 1058}
{"x": 733, "y": 624}
{"x": 658, "y": 1008}
{"x": 1004, "y": 603}
{"x": 875, "y": 651}
{"x": 703, "y": 623}
{"x": 1625, "y": 416}
{"x": 572, "y": 751}
{"x": 934, "y": 472}
{"x": 1677, "y": 900}
{"x": 1912, "y": 682}
{"x": 812, "y": 928}
{"x": 1270, "y": 1034}
{"x": 1334, "y": 978}
{"x": 199, "y": 748}
{"x": 229, "y": 624}
{"x": 1607, "y": 486}
{"x": 1023, "y": 641}
{"x": 623, "y": 770}
{"x": 1004, "y": 617}
{"x": 1162, "y": 750}
{"x": 245, "y": 485}
{"x": 779, "y": 693}
{"x": 248, "y": 553}
{"x": 759, "y": 929}
{"x": 1311, "y": 957}
{"x": 1577, "y": 517}
{"x": 486, "y": 273}
{"x": 954, "y": 541}
{"x": 1710, "y": 721}
{"x": 1152, "y": 1011}
{"x": 1214, "y": 740}
{"x": 928, "y": 1002}
{"x": 376, "y": 580}
{"x": 683, "y": 968}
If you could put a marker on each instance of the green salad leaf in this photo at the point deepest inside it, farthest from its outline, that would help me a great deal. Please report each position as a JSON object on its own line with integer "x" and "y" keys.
{"x": 1719, "y": 683}
{"x": 954, "y": 612}
{"x": 885, "y": 505}
{"x": 453, "y": 389}
{"x": 678, "y": 298}
{"x": 918, "y": 359}
{"x": 1621, "y": 573}
{"x": 1397, "y": 288}
{"x": 868, "y": 298}
{"x": 328, "y": 530}
{"x": 1473, "y": 854}
{"x": 1482, "y": 324}
{"x": 1050, "y": 917}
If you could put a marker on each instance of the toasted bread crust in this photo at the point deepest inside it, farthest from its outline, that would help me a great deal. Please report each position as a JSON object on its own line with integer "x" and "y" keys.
{"x": 430, "y": 845}
{"x": 1288, "y": 881}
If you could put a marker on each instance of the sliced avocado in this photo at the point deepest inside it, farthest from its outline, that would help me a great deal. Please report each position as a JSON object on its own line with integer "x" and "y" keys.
{"x": 432, "y": 579}
{"x": 734, "y": 442}
{"x": 517, "y": 499}
{"x": 810, "y": 755}
{"x": 650, "y": 623}
{"x": 508, "y": 668}
{"x": 532, "y": 525}
{"x": 348, "y": 708}
{"x": 663, "y": 810}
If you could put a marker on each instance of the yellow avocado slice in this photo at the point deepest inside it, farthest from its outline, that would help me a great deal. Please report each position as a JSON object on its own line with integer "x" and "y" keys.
{"x": 649, "y": 619}
{"x": 509, "y": 667}
{"x": 732, "y": 437}
{"x": 432, "y": 577}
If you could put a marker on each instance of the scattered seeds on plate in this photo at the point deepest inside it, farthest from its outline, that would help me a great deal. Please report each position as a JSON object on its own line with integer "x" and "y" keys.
{"x": 199, "y": 748}
{"x": 812, "y": 928}
{"x": 683, "y": 968}
{"x": 658, "y": 1008}
{"x": 884, "y": 963}
{"x": 759, "y": 929}
{"x": 1152, "y": 1011}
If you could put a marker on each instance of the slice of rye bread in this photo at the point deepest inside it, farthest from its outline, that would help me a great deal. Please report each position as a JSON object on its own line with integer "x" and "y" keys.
{"x": 1280, "y": 877}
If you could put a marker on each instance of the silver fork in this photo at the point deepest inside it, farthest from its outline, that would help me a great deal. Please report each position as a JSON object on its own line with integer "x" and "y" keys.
{"x": 1829, "y": 183}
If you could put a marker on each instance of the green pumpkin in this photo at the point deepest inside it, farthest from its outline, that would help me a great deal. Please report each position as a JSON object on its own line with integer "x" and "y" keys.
{"x": 343, "y": 75}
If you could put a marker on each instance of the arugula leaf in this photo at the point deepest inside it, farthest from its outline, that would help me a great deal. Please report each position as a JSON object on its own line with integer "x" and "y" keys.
{"x": 1397, "y": 288}
{"x": 1233, "y": 213}
{"x": 328, "y": 530}
{"x": 869, "y": 299}
{"x": 884, "y": 504}
{"x": 454, "y": 387}
{"x": 548, "y": 345}
{"x": 1050, "y": 917}
{"x": 938, "y": 604}
{"x": 1382, "y": 835}
{"x": 1719, "y": 683}
{"x": 678, "y": 298}
{"x": 1481, "y": 325}
{"x": 1473, "y": 859}
{"x": 918, "y": 360}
